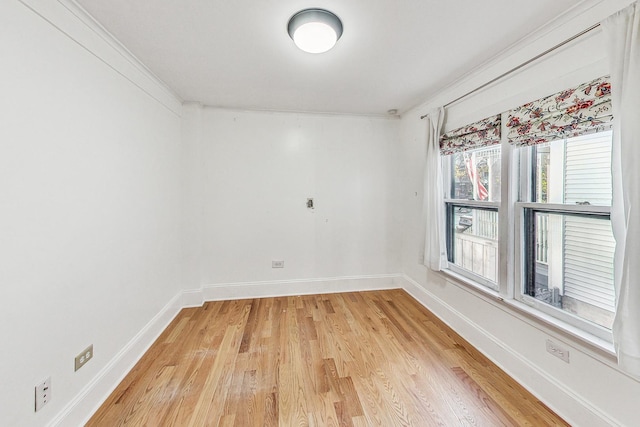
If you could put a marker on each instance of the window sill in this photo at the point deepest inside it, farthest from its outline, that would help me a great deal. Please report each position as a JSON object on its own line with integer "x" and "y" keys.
{"x": 585, "y": 342}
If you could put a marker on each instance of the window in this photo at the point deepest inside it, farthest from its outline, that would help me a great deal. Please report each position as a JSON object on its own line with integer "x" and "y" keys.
{"x": 556, "y": 175}
{"x": 472, "y": 213}
{"x": 568, "y": 242}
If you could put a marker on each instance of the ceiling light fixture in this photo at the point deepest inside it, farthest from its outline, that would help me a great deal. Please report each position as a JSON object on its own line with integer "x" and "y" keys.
{"x": 315, "y": 30}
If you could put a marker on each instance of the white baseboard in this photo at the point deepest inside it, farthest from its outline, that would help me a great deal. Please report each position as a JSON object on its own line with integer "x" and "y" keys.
{"x": 78, "y": 411}
{"x": 225, "y": 291}
{"x": 83, "y": 406}
{"x": 557, "y": 396}
{"x": 192, "y": 298}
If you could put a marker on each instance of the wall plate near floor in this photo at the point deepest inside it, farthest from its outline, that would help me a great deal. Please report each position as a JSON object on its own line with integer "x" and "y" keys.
{"x": 558, "y": 351}
{"x": 43, "y": 393}
{"x": 84, "y": 357}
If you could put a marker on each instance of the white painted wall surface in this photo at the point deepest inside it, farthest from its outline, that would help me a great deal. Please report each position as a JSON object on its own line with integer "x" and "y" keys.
{"x": 89, "y": 205}
{"x": 589, "y": 391}
{"x": 257, "y": 171}
{"x": 111, "y": 203}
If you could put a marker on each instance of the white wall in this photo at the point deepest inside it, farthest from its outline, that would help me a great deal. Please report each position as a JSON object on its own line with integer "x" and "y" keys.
{"x": 111, "y": 203}
{"x": 590, "y": 390}
{"x": 89, "y": 204}
{"x": 114, "y": 201}
{"x": 256, "y": 171}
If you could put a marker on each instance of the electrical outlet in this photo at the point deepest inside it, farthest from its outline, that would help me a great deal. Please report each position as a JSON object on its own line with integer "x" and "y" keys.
{"x": 43, "y": 393}
{"x": 277, "y": 264}
{"x": 84, "y": 357}
{"x": 558, "y": 351}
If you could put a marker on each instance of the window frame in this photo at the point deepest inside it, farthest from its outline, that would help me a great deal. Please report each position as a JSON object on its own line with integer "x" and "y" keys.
{"x": 451, "y": 203}
{"x": 517, "y": 164}
{"x": 526, "y": 178}
{"x": 521, "y": 263}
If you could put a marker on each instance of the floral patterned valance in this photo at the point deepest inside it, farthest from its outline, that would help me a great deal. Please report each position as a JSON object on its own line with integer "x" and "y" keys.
{"x": 476, "y": 135}
{"x": 577, "y": 111}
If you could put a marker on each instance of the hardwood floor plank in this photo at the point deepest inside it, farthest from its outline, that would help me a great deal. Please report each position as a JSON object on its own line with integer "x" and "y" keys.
{"x": 342, "y": 414}
{"x": 354, "y": 359}
{"x": 271, "y": 416}
{"x": 350, "y": 396}
{"x": 216, "y": 386}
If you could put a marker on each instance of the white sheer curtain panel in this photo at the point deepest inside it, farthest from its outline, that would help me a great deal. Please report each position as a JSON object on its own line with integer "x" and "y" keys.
{"x": 622, "y": 34}
{"x": 435, "y": 248}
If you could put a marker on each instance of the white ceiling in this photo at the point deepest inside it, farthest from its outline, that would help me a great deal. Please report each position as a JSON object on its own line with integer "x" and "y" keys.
{"x": 393, "y": 53}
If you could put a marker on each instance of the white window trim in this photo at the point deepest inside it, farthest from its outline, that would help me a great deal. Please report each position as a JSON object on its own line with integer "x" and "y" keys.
{"x": 588, "y": 343}
{"x": 519, "y": 278}
{"x": 473, "y": 278}
{"x": 553, "y": 207}
{"x": 564, "y": 316}
{"x": 511, "y": 255}
{"x": 473, "y": 203}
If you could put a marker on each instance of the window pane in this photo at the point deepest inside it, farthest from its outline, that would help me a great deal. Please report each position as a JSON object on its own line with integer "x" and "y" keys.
{"x": 476, "y": 175}
{"x": 570, "y": 264}
{"x": 574, "y": 171}
{"x": 474, "y": 240}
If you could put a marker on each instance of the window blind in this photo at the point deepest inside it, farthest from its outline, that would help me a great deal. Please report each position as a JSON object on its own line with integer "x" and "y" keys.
{"x": 480, "y": 134}
{"x": 576, "y": 111}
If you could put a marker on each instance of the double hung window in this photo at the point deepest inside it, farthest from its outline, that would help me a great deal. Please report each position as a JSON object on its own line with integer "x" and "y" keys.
{"x": 472, "y": 188}
{"x": 560, "y": 175}
{"x": 568, "y": 243}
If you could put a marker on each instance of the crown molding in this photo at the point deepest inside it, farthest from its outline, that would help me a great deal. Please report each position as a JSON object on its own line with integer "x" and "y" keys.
{"x": 70, "y": 19}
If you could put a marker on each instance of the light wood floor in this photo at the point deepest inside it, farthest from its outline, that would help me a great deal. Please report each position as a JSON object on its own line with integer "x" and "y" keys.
{"x": 352, "y": 359}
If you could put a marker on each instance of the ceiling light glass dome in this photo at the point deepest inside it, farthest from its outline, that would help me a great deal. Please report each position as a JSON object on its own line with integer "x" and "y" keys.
{"x": 315, "y": 30}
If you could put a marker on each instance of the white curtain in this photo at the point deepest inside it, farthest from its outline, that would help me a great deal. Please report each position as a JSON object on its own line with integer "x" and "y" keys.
{"x": 622, "y": 34}
{"x": 435, "y": 248}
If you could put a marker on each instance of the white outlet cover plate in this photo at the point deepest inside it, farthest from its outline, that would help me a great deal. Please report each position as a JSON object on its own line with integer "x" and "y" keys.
{"x": 82, "y": 359}
{"x": 43, "y": 393}
{"x": 558, "y": 351}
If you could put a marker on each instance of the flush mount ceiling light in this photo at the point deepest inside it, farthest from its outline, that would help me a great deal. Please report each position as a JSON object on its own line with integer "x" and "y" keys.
{"x": 315, "y": 30}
